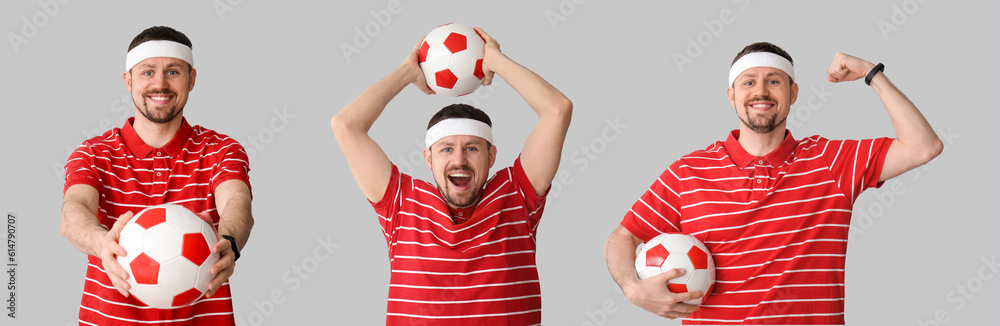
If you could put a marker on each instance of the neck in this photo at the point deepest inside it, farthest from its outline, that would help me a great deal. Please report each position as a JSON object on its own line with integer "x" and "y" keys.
{"x": 156, "y": 134}
{"x": 758, "y": 144}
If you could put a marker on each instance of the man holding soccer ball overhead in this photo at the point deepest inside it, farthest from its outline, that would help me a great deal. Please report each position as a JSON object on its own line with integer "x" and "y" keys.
{"x": 462, "y": 251}
{"x": 773, "y": 210}
{"x": 155, "y": 158}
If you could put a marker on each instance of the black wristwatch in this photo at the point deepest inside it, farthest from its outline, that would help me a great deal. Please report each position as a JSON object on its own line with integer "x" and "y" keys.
{"x": 232, "y": 241}
{"x": 871, "y": 74}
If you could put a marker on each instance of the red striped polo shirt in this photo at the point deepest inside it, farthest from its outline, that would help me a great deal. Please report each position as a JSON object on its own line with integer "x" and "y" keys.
{"x": 480, "y": 271}
{"x": 776, "y": 225}
{"x": 130, "y": 175}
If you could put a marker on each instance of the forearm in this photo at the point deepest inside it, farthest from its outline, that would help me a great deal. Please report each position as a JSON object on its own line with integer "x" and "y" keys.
{"x": 619, "y": 252}
{"x": 909, "y": 124}
{"x": 916, "y": 143}
{"x": 81, "y": 228}
{"x": 544, "y": 99}
{"x": 236, "y": 219}
{"x": 361, "y": 113}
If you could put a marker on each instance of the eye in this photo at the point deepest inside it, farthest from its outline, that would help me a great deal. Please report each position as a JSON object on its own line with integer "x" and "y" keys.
{"x": 147, "y": 73}
{"x": 173, "y": 72}
{"x": 446, "y": 149}
{"x": 772, "y": 82}
{"x": 471, "y": 149}
{"x": 748, "y": 83}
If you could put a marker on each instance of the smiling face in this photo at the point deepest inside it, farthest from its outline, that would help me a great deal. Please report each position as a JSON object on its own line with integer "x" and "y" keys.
{"x": 160, "y": 88}
{"x": 460, "y": 165}
{"x": 763, "y": 97}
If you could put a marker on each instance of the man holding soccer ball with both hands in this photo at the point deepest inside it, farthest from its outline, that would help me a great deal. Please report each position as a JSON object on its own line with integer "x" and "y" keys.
{"x": 155, "y": 158}
{"x": 774, "y": 211}
{"x": 462, "y": 251}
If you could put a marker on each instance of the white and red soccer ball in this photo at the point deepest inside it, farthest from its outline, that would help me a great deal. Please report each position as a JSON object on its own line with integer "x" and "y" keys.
{"x": 451, "y": 58}
{"x": 169, "y": 255}
{"x": 674, "y": 250}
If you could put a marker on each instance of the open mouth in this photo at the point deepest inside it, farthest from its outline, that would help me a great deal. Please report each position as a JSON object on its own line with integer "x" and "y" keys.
{"x": 460, "y": 180}
{"x": 763, "y": 106}
{"x": 159, "y": 98}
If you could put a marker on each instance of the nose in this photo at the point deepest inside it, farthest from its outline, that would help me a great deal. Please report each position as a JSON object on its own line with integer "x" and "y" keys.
{"x": 760, "y": 89}
{"x": 158, "y": 81}
{"x": 462, "y": 157}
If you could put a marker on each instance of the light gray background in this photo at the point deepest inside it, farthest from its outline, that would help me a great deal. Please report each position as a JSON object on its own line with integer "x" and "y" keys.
{"x": 612, "y": 58}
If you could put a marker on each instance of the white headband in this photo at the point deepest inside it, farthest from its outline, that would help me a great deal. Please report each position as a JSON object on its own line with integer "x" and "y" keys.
{"x": 760, "y": 59}
{"x": 158, "y": 48}
{"x": 458, "y": 126}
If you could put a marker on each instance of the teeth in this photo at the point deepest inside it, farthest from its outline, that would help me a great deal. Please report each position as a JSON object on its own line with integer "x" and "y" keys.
{"x": 459, "y": 175}
{"x": 159, "y": 98}
{"x": 760, "y": 105}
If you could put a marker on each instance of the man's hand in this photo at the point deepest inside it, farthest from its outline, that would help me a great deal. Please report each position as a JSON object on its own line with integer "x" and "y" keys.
{"x": 490, "y": 56}
{"x": 411, "y": 69}
{"x": 223, "y": 268}
{"x": 652, "y": 295}
{"x": 846, "y": 67}
{"x": 109, "y": 250}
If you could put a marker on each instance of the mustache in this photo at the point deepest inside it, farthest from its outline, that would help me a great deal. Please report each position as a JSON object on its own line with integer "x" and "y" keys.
{"x": 158, "y": 92}
{"x": 760, "y": 98}
{"x": 461, "y": 168}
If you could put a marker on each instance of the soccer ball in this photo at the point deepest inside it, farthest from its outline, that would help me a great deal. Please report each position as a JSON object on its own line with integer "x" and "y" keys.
{"x": 169, "y": 255}
{"x": 451, "y": 58}
{"x": 675, "y": 250}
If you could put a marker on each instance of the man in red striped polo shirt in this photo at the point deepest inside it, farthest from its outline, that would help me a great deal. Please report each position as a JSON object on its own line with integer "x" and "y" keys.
{"x": 155, "y": 158}
{"x": 774, "y": 211}
{"x": 463, "y": 251}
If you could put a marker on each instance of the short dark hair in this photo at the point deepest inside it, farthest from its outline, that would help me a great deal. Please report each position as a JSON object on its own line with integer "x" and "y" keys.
{"x": 157, "y": 33}
{"x": 460, "y": 110}
{"x": 763, "y": 47}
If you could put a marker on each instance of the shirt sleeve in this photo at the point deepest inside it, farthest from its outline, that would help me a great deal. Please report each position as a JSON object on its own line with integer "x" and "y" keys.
{"x": 534, "y": 204}
{"x": 388, "y": 207}
{"x": 658, "y": 210}
{"x": 234, "y": 164}
{"x": 856, "y": 164}
{"x": 80, "y": 169}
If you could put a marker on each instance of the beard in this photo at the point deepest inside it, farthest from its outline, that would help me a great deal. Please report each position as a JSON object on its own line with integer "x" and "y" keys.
{"x": 460, "y": 200}
{"x": 761, "y": 123}
{"x": 162, "y": 116}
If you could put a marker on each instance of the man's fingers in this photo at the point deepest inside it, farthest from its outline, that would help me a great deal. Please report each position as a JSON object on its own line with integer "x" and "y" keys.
{"x": 120, "y": 223}
{"x": 487, "y": 78}
{"x": 219, "y": 279}
{"x": 668, "y": 275}
{"x": 221, "y": 245}
{"x": 117, "y": 275}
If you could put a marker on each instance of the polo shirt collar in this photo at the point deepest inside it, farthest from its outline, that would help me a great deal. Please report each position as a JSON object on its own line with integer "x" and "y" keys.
{"x": 775, "y": 157}
{"x": 139, "y": 148}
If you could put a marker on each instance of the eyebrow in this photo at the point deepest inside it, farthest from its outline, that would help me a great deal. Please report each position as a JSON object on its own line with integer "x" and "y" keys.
{"x": 169, "y": 65}
{"x": 465, "y": 144}
{"x": 753, "y": 75}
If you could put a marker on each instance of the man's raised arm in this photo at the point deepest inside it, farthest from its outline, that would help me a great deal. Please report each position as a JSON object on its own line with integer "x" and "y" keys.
{"x": 369, "y": 164}
{"x": 915, "y": 143}
{"x": 543, "y": 148}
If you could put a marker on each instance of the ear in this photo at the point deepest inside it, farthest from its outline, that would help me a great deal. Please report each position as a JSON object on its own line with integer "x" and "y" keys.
{"x": 194, "y": 73}
{"x": 795, "y": 93}
{"x": 127, "y": 77}
{"x": 493, "y": 154}
{"x": 427, "y": 157}
{"x": 731, "y": 94}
